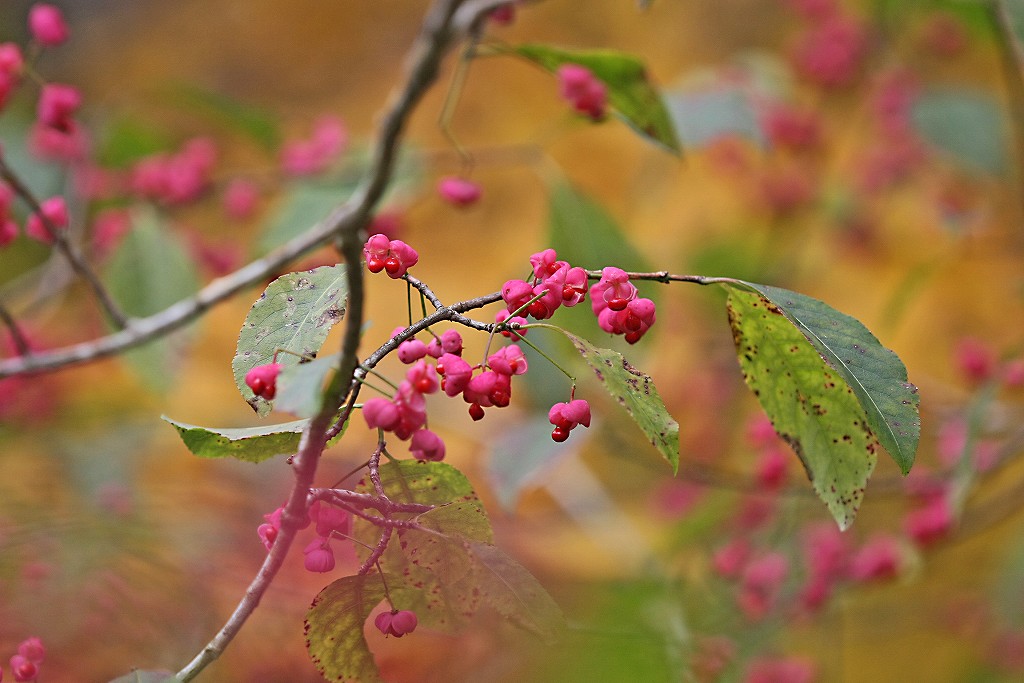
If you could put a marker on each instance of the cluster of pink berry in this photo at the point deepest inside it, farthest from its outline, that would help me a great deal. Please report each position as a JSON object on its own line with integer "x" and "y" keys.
{"x": 405, "y": 415}
{"x": 831, "y": 50}
{"x": 178, "y": 178}
{"x": 613, "y": 297}
{"x": 585, "y": 92}
{"x": 319, "y": 557}
{"x": 315, "y": 155}
{"x": 25, "y": 664}
{"x": 394, "y": 257}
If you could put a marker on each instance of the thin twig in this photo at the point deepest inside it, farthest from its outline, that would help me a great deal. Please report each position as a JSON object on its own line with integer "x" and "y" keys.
{"x": 70, "y": 252}
{"x": 1011, "y": 53}
{"x": 21, "y": 344}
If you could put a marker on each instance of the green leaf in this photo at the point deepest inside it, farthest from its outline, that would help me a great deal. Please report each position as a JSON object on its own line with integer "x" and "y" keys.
{"x": 434, "y": 569}
{"x": 630, "y": 91}
{"x": 303, "y": 205}
{"x": 810, "y": 405}
{"x": 294, "y": 315}
{"x": 572, "y": 213}
{"x": 635, "y": 392}
{"x": 149, "y": 271}
{"x": 514, "y": 592}
{"x": 970, "y": 125}
{"x": 257, "y": 124}
{"x": 875, "y": 374}
{"x": 127, "y": 140}
{"x": 299, "y": 387}
{"x": 703, "y": 116}
{"x": 522, "y": 454}
{"x": 252, "y": 444}
{"x": 334, "y": 629}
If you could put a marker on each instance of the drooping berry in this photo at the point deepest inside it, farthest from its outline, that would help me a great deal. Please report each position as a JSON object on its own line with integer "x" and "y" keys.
{"x": 426, "y": 445}
{"x": 319, "y": 557}
{"x": 24, "y": 670}
{"x": 262, "y": 379}
{"x": 584, "y": 91}
{"x": 411, "y": 350}
{"x": 47, "y": 25}
{"x": 567, "y": 416}
{"x": 396, "y": 623}
{"x": 458, "y": 191}
{"x": 476, "y": 412}
{"x": 32, "y": 649}
{"x": 55, "y": 211}
{"x": 381, "y": 413}
{"x": 57, "y": 105}
{"x": 268, "y": 534}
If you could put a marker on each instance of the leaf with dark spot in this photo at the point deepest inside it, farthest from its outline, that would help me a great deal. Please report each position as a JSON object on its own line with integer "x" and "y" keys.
{"x": 875, "y": 375}
{"x": 811, "y": 407}
{"x": 634, "y": 390}
{"x": 334, "y": 629}
{"x": 294, "y": 314}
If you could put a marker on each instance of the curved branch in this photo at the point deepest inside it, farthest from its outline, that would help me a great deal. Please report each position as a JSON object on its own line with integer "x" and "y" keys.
{"x": 434, "y": 41}
{"x": 70, "y": 252}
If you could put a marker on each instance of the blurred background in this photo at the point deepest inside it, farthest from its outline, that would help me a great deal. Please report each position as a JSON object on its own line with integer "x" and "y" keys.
{"x": 864, "y": 153}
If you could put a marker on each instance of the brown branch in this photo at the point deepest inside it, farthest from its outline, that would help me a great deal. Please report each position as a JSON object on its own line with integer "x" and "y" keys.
{"x": 1011, "y": 54}
{"x": 70, "y": 252}
{"x": 433, "y": 42}
{"x": 21, "y": 344}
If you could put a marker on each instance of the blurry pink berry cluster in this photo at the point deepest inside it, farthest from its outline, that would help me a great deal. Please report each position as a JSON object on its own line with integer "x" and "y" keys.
{"x": 330, "y": 522}
{"x": 25, "y": 664}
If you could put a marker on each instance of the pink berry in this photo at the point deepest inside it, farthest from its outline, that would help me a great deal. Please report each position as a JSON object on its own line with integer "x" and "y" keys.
{"x": 879, "y": 559}
{"x": 8, "y": 231}
{"x": 32, "y": 649}
{"x": 567, "y": 416}
{"x": 57, "y": 105}
{"x": 47, "y": 25}
{"x": 11, "y": 59}
{"x": 381, "y": 413}
{"x": 458, "y": 191}
{"x": 587, "y": 94}
{"x": 457, "y": 374}
{"x": 319, "y": 557}
{"x": 411, "y": 350}
{"x": 508, "y": 361}
{"x": 503, "y": 15}
{"x": 503, "y": 316}
{"x": 426, "y": 445}
{"x": 23, "y": 669}
{"x": 315, "y": 155}
{"x": 262, "y": 379}
{"x": 423, "y": 377}
{"x": 396, "y": 623}
{"x": 515, "y": 294}
{"x": 268, "y": 534}
{"x": 240, "y": 198}
{"x": 330, "y": 519}
{"x": 55, "y": 210}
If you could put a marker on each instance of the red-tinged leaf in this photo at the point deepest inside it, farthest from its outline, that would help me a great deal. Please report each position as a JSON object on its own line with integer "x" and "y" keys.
{"x": 334, "y": 629}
